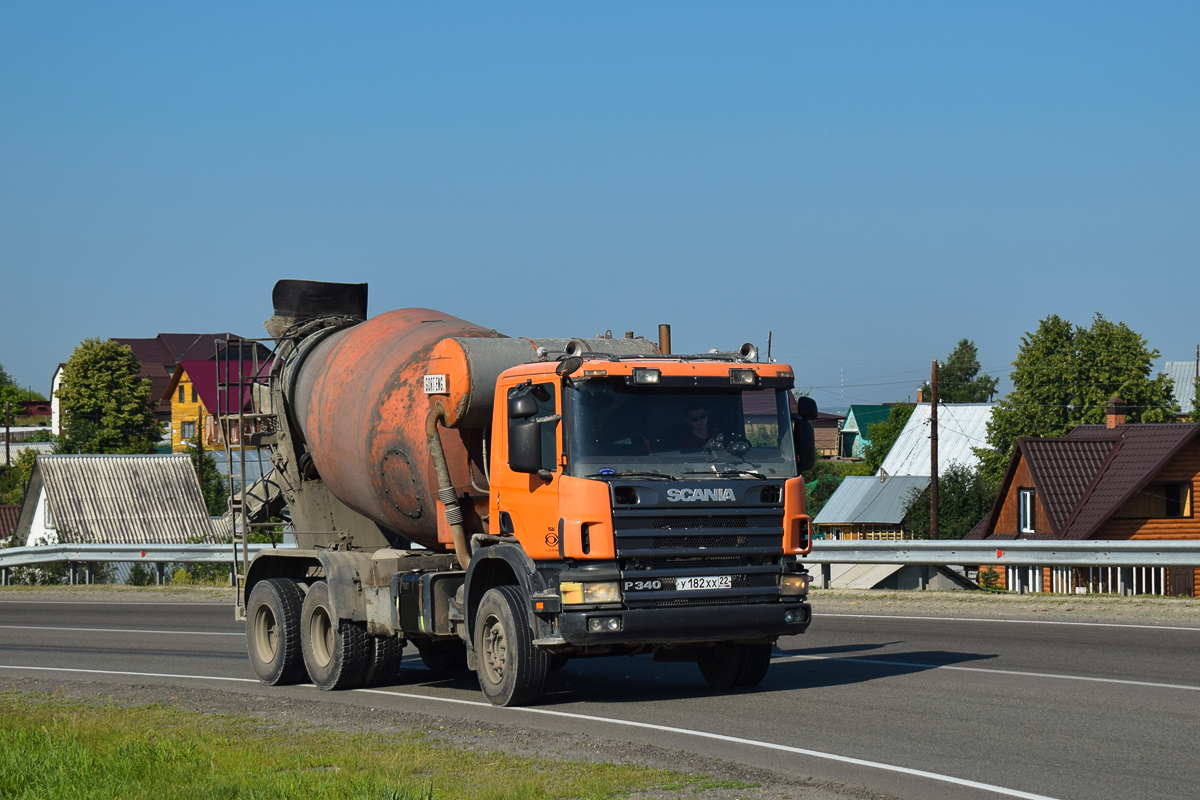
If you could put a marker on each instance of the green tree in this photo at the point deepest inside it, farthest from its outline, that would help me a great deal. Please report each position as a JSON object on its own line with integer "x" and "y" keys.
{"x": 1064, "y": 376}
{"x": 213, "y": 487}
{"x": 10, "y": 392}
{"x": 882, "y": 435}
{"x": 14, "y": 478}
{"x": 106, "y": 407}
{"x": 959, "y": 380}
{"x": 965, "y": 496}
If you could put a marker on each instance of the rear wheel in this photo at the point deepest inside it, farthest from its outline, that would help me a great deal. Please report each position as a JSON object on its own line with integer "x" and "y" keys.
{"x": 273, "y": 631}
{"x": 383, "y": 660}
{"x": 512, "y": 672}
{"x": 335, "y": 651}
{"x": 443, "y": 656}
{"x": 729, "y": 664}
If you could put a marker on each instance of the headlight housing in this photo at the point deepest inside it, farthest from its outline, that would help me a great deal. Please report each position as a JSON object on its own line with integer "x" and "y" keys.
{"x": 793, "y": 584}
{"x": 575, "y": 594}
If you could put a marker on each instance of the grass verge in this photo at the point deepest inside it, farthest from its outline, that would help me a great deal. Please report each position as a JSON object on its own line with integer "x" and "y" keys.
{"x": 51, "y": 748}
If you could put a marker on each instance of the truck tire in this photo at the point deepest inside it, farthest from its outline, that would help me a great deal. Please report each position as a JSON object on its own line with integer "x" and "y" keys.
{"x": 729, "y": 664}
{"x": 512, "y": 672}
{"x": 383, "y": 660}
{"x": 335, "y": 651}
{"x": 443, "y": 657}
{"x": 273, "y": 631}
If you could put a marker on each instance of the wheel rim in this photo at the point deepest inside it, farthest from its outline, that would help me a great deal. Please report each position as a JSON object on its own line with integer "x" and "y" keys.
{"x": 320, "y": 635}
{"x": 495, "y": 649}
{"x": 266, "y": 633}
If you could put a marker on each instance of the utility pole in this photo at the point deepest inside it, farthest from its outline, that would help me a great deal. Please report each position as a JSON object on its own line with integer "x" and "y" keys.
{"x": 933, "y": 457}
{"x": 7, "y": 434}
{"x": 200, "y": 451}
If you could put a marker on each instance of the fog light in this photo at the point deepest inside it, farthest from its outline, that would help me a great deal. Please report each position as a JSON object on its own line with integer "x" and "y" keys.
{"x": 595, "y": 624}
{"x": 793, "y": 584}
{"x": 643, "y": 375}
{"x": 791, "y": 616}
{"x": 599, "y": 624}
{"x": 613, "y": 624}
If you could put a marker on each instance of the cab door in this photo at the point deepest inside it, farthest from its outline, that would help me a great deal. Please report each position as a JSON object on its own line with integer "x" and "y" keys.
{"x": 527, "y": 505}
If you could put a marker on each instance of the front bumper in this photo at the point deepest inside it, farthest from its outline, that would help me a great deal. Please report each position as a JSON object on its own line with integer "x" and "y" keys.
{"x": 711, "y": 623}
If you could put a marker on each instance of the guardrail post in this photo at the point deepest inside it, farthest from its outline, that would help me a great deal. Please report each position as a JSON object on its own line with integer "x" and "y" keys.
{"x": 160, "y": 570}
{"x": 923, "y": 579}
{"x": 73, "y": 571}
{"x": 89, "y": 572}
{"x": 826, "y": 575}
{"x": 4, "y": 578}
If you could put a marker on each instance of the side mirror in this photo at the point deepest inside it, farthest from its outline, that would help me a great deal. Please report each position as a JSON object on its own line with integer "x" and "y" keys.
{"x": 524, "y": 435}
{"x": 805, "y": 439}
{"x": 524, "y": 446}
{"x": 806, "y": 408}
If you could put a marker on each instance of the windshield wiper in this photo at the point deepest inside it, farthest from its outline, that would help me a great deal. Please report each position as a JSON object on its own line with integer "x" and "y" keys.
{"x": 724, "y": 472}
{"x": 634, "y": 474}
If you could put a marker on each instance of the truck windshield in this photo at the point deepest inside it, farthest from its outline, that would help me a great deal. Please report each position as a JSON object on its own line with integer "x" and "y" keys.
{"x": 688, "y": 434}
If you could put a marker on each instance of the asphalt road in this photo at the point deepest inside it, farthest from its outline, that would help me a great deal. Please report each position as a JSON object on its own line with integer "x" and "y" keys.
{"x": 917, "y": 708}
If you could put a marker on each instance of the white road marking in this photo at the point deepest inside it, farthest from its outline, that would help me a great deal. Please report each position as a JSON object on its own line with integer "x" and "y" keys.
{"x": 116, "y": 630}
{"x": 987, "y": 787}
{"x": 1017, "y": 621}
{"x": 1021, "y": 673}
{"x": 132, "y": 674}
{"x": 134, "y": 603}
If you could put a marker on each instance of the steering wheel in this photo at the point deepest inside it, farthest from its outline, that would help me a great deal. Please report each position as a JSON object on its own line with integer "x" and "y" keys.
{"x": 738, "y": 445}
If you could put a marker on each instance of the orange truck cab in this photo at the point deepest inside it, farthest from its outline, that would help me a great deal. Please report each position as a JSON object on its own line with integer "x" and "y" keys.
{"x": 660, "y": 505}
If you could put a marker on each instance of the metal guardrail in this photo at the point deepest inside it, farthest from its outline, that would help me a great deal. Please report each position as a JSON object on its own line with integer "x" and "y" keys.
{"x": 149, "y": 553}
{"x": 81, "y": 557}
{"x": 1009, "y": 552}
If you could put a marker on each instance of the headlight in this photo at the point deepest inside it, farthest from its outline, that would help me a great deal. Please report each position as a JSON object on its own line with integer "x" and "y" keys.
{"x": 589, "y": 593}
{"x": 790, "y": 584}
{"x": 743, "y": 377}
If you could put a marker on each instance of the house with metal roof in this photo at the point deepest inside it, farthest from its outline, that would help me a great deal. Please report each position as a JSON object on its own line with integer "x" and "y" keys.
{"x": 853, "y": 438}
{"x": 1112, "y": 481}
{"x": 962, "y": 427}
{"x": 869, "y": 506}
{"x": 110, "y": 499}
{"x": 1183, "y": 375}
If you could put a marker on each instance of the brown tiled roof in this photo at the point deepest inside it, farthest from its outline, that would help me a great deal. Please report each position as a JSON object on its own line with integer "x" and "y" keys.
{"x": 148, "y": 351}
{"x": 1062, "y": 469}
{"x": 1084, "y": 477}
{"x": 8, "y": 520}
{"x": 1144, "y": 450}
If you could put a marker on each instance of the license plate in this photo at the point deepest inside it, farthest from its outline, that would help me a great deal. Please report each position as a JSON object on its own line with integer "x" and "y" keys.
{"x": 712, "y": 582}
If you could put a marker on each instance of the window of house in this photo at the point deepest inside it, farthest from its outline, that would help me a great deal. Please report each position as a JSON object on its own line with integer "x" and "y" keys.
{"x": 181, "y": 392}
{"x": 187, "y": 430}
{"x": 193, "y": 392}
{"x": 1025, "y": 509}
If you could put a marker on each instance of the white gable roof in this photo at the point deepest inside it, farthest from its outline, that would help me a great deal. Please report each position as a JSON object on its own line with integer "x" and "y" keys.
{"x": 1183, "y": 376}
{"x": 961, "y": 428}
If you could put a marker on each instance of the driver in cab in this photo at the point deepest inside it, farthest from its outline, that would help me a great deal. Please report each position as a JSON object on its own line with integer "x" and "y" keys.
{"x": 697, "y": 433}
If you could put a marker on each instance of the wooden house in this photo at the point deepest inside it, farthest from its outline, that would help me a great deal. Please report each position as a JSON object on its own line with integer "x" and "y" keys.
{"x": 198, "y": 394}
{"x": 853, "y": 438}
{"x": 1112, "y": 481}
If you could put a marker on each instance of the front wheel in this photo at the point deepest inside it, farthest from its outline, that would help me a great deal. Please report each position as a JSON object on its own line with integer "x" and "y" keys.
{"x": 729, "y": 664}
{"x": 335, "y": 650}
{"x": 512, "y": 672}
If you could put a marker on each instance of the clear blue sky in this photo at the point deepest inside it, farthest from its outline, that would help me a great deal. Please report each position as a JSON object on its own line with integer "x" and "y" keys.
{"x": 872, "y": 182}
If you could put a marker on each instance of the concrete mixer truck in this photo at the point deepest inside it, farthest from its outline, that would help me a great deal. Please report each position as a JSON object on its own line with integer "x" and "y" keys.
{"x": 506, "y": 504}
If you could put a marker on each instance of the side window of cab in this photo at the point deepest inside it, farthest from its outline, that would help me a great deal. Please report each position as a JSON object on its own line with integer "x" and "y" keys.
{"x": 544, "y": 395}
